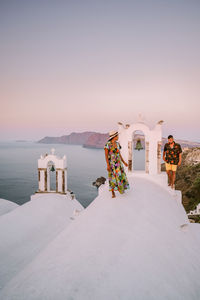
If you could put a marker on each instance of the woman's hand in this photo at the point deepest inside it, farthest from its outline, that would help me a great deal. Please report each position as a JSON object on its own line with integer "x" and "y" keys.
{"x": 123, "y": 160}
{"x": 125, "y": 164}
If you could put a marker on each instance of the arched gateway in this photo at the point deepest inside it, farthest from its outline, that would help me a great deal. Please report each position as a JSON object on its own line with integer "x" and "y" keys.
{"x": 153, "y": 143}
{"x": 48, "y": 163}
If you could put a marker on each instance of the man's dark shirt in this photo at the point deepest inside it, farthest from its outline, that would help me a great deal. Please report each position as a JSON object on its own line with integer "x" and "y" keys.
{"x": 172, "y": 154}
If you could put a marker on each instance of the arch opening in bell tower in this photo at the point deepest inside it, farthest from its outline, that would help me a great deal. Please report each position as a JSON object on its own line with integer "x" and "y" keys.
{"x": 138, "y": 150}
{"x": 51, "y": 175}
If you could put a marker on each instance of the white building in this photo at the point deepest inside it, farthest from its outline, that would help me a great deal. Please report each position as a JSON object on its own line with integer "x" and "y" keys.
{"x": 153, "y": 143}
{"x": 27, "y": 229}
{"x": 195, "y": 211}
{"x": 139, "y": 245}
{"x": 45, "y": 163}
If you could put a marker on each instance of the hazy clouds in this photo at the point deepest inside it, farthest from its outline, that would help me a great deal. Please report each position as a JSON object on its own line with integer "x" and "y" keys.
{"x": 85, "y": 65}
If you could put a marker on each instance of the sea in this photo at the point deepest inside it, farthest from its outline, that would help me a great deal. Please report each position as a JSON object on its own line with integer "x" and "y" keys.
{"x": 19, "y": 175}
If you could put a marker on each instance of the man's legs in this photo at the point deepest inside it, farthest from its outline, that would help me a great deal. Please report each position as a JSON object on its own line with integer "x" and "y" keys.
{"x": 174, "y": 168}
{"x": 169, "y": 173}
{"x": 173, "y": 179}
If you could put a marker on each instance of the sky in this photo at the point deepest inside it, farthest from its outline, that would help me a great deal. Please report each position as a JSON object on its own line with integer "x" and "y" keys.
{"x": 74, "y": 66}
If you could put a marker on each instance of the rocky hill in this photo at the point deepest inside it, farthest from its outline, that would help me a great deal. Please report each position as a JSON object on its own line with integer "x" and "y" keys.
{"x": 96, "y": 140}
{"x": 91, "y": 139}
{"x": 74, "y": 138}
{"x": 188, "y": 179}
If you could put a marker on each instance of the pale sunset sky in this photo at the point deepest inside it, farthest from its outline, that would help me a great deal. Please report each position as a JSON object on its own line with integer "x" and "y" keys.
{"x": 85, "y": 65}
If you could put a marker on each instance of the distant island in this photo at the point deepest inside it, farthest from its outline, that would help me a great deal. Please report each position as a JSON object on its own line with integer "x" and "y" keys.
{"x": 91, "y": 139}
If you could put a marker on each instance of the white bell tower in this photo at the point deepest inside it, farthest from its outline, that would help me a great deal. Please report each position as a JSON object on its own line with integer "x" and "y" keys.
{"x": 45, "y": 165}
{"x": 153, "y": 143}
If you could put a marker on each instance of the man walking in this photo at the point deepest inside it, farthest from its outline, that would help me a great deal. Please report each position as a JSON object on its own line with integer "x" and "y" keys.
{"x": 172, "y": 155}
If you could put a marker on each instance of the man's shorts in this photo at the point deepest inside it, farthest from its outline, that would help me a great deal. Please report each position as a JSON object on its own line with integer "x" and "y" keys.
{"x": 170, "y": 167}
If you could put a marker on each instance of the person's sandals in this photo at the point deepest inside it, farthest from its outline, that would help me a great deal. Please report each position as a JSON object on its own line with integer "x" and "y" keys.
{"x": 173, "y": 187}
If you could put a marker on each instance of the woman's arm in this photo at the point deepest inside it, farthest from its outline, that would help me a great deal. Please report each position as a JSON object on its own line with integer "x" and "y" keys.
{"x": 106, "y": 156}
{"x": 123, "y": 160}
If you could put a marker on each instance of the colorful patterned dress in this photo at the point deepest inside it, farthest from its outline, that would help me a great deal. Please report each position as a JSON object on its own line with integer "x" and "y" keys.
{"x": 117, "y": 176}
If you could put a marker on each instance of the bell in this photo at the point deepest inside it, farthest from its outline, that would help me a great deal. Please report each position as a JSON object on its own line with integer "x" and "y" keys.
{"x": 138, "y": 145}
{"x": 52, "y": 168}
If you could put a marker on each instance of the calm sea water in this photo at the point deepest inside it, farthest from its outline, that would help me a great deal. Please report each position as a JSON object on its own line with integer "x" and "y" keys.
{"x": 19, "y": 177}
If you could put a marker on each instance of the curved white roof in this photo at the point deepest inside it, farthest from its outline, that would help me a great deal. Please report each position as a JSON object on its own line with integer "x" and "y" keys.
{"x": 136, "y": 246}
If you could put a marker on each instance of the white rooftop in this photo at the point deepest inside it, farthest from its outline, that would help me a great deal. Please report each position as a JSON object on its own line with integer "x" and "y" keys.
{"x": 6, "y": 206}
{"x": 26, "y": 230}
{"x": 139, "y": 245}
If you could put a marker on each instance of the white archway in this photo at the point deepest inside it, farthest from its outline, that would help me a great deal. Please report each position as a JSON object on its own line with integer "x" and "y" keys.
{"x": 44, "y": 170}
{"x": 51, "y": 177}
{"x": 153, "y": 142}
{"x": 136, "y": 155}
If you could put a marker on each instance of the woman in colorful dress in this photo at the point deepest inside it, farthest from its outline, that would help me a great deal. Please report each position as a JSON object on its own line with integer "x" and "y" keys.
{"x": 116, "y": 174}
